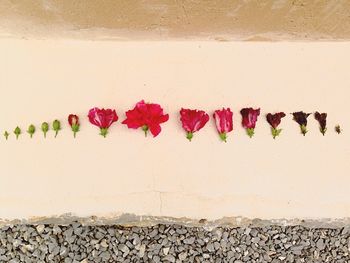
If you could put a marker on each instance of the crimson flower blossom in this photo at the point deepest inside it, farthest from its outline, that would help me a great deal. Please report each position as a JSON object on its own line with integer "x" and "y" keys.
{"x": 322, "y": 120}
{"x": 73, "y": 121}
{"x": 274, "y": 120}
{"x": 193, "y": 121}
{"x": 148, "y": 116}
{"x": 301, "y": 118}
{"x": 249, "y": 119}
{"x": 102, "y": 118}
{"x": 223, "y": 121}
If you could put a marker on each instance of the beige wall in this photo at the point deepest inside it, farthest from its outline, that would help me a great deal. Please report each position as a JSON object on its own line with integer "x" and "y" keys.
{"x": 272, "y": 20}
{"x": 293, "y": 176}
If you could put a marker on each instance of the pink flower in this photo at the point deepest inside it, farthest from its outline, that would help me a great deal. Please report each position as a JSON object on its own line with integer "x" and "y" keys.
{"x": 223, "y": 120}
{"x": 193, "y": 121}
{"x": 249, "y": 119}
{"x": 102, "y": 118}
{"x": 149, "y": 116}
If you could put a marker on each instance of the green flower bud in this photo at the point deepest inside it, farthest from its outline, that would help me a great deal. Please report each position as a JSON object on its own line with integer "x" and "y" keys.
{"x": 45, "y": 128}
{"x": 31, "y": 130}
{"x": 56, "y": 125}
{"x": 17, "y": 131}
{"x": 6, "y": 134}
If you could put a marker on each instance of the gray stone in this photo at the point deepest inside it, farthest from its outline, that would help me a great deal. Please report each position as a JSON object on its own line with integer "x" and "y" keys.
{"x": 40, "y": 228}
{"x": 142, "y": 250}
{"x": 182, "y": 256}
{"x": 124, "y": 249}
{"x": 320, "y": 244}
{"x": 169, "y": 258}
{"x": 210, "y": 247}
{"x": 172, "y": 243}
{"x": 166, "y": 250}
{"x": 189, "y": 241}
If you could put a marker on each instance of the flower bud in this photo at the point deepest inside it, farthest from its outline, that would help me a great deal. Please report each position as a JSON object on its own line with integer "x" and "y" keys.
{"x": 56, "y": 125}
{"x": 73, "y": 121}
{"x": 45, "y": 128}
{"x": 6, "y": 134}
{"x": 17, "y": 131}
{"x": 31, "y": 130}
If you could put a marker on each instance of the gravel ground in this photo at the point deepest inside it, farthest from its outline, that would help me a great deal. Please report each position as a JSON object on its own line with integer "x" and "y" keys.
{"x": 172, "y": 243}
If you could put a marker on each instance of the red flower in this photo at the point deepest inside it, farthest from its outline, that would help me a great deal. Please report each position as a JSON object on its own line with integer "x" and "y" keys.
{"x": 301, "y": 118}
{"x": 193, "y": 121}
{"x": 223, "y": 121}
{"x": 149, "y": 116}
{"x": 102, "y": 118}
{"x": 73, "y": 121}
{"x": 274, "y": 120}
{"x": 249, "y": 119}
{"x": 322, "y": 120}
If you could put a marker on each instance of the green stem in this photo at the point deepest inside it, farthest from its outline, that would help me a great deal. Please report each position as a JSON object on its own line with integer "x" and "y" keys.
{"x": 223, "y": 136}
{"x": 189, "y": 136}
{"x": 145, "y": 129}
{"x": 75, "y": 129}
{"x": 104, "y": 132}
{"x": 275, "y": 132}
{"x": 303, "y": 129}
{"x": 250, "y": 132}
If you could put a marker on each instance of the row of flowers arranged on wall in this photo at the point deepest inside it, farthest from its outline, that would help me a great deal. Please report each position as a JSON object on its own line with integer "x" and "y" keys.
{"x": 150, "y": 116}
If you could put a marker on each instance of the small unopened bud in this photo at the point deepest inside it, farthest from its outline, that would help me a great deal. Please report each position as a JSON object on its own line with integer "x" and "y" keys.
{"x": 31, "y": 130}
{"x": 45, "y": 128}
{"x": 6, "y": 134}
{"x": 56, "y": 125}
{"x": 17, "y": 131}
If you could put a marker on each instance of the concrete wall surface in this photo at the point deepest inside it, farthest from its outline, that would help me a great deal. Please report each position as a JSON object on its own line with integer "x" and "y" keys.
{"x": 252, "y": 20}
{"x": 290, "y": 177}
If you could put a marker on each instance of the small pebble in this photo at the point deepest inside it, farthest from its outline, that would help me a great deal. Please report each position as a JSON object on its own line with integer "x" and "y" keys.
{"x": 77, "y": 243}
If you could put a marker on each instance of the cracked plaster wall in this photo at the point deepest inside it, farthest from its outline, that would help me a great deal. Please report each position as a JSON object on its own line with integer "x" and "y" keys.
{"x": 126, "y": 173}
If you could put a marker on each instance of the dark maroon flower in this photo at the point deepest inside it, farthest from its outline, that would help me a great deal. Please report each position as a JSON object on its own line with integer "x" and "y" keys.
{"x": 338, "y": 129}
{"x": 249, "y": 119}
{"x": 274, "y": 120}
{"x": 301, "y": 118}
{"x": 322, "y": 120}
